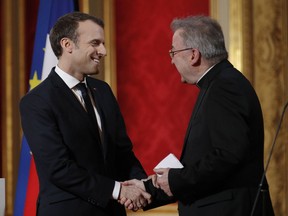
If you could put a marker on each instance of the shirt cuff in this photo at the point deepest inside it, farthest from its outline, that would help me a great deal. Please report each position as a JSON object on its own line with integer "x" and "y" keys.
{"x": 116, "y": 190}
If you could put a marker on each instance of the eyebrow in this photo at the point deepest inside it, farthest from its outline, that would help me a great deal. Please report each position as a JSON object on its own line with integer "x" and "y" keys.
{"x": 97, "y": 41}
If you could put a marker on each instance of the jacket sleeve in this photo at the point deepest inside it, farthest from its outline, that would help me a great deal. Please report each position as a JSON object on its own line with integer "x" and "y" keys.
{"x": 159, "y": 198}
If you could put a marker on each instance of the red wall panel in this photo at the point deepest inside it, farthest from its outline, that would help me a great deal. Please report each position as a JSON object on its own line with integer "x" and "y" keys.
{"x": 155, "y": 104}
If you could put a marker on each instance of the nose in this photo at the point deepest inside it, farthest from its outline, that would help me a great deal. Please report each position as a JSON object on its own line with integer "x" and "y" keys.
{"x": 101, "y": 50}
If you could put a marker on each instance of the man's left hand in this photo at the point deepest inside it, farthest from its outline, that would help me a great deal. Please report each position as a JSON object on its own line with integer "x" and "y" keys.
{"x": 162, "y": 180}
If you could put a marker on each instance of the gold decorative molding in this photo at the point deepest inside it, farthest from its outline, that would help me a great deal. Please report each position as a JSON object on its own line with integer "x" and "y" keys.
{"x": 214, "y": 9}
{"x": 258, "y": 47}
{"x": 167, "y": 210}
{"x": 240, "y": 53}
{"x": 219, "y": 10}
{"x": 235, "y": 34}
{"x": 235, "y": 19}
{"x": 270, "y": 68}
{"x": 285, "y": 95}
{"x": 13, "y": 86}
{"x": 84, "y": 6}
{"x": 110, "y": 61}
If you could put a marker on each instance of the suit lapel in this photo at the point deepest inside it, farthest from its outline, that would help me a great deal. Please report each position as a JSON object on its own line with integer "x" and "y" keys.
{"x": 193, "y": 116}
{"x": 204, "y": 85}
{"x": 63, "y": 91}
{"x": 99, "y": 106}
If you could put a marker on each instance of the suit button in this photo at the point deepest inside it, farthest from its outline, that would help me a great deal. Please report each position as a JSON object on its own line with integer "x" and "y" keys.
{"x": 92, "y": 201}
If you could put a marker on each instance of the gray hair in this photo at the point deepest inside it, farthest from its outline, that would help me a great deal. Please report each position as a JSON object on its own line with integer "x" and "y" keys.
{"x": 204, "y": 34}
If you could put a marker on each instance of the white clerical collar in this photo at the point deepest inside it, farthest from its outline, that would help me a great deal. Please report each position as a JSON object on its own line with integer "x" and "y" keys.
{"x": 205, "y": 73}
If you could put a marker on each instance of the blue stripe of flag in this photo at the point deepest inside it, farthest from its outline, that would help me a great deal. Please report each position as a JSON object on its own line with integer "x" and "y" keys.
{"x": 23, "y": 176}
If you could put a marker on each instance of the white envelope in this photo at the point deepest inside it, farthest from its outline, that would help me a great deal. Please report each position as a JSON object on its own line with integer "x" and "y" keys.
{"x": 170, "y": 161}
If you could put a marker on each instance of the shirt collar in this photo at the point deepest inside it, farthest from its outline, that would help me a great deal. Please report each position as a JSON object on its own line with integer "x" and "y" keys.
{"x": 70, "y": 81}
{"x": 205, "y": 73}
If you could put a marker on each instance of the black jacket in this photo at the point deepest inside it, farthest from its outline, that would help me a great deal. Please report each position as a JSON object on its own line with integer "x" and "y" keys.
{"x": 223, "y": 149}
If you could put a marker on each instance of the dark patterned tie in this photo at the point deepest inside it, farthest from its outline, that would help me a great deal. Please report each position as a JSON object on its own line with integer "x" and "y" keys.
{"x": 91, "y": 113}
{"x": 88, "y": 105}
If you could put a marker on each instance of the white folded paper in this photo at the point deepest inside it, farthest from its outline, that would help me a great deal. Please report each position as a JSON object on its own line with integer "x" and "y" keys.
{"x": 170, "y": 161}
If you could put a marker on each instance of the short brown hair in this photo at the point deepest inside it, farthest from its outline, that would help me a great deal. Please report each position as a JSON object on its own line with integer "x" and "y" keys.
{"x": 66, "y": 26}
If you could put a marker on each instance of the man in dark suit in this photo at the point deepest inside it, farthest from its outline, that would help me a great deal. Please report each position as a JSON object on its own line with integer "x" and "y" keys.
{"x": 222, "y": 153}
{"x": 80, "y": 160}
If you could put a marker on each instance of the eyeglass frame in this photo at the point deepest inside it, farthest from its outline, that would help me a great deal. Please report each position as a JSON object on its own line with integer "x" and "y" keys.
{"x": 172, "y": 53}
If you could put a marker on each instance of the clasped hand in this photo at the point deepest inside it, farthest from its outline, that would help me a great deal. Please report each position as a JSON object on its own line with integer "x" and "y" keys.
{"x": 133, "y": 194}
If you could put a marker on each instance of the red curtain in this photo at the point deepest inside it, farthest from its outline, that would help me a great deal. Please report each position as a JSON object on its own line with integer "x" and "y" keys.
{"x": 155, "y": 104}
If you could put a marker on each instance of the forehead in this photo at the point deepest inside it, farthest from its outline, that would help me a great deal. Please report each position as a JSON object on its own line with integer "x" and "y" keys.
{"x": 177, "y": 38}
{"x": 90, "y": 29}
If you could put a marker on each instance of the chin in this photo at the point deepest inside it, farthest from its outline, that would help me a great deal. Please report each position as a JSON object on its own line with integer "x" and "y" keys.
{"x": 183, "y": 80}
{"x": 95, "y": 72}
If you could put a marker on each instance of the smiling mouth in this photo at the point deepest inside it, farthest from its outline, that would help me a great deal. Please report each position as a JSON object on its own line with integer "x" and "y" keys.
{"x": 96, "y": 60}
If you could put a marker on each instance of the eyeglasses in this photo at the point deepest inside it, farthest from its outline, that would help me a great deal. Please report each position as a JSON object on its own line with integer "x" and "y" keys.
{"x": 172, "y": 53}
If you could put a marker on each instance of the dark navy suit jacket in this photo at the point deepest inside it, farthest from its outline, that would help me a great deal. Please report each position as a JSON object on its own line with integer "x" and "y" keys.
{"x": 76, "y": 171}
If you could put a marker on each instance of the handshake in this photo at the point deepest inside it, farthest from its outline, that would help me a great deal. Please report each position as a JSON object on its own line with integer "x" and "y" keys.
{"x": 133, "y": 194}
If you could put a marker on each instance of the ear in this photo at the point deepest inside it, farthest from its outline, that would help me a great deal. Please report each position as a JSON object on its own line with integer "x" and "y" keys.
{"x": 66, "y": 44}
{"x": 195, "y": 57}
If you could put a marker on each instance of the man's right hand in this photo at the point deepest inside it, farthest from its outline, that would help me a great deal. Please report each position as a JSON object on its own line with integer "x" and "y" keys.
{"x": 133, "y": 195}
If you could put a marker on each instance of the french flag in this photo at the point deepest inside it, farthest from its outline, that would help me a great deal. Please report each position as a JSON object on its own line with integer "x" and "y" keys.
{"x": 43, "y": 60}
